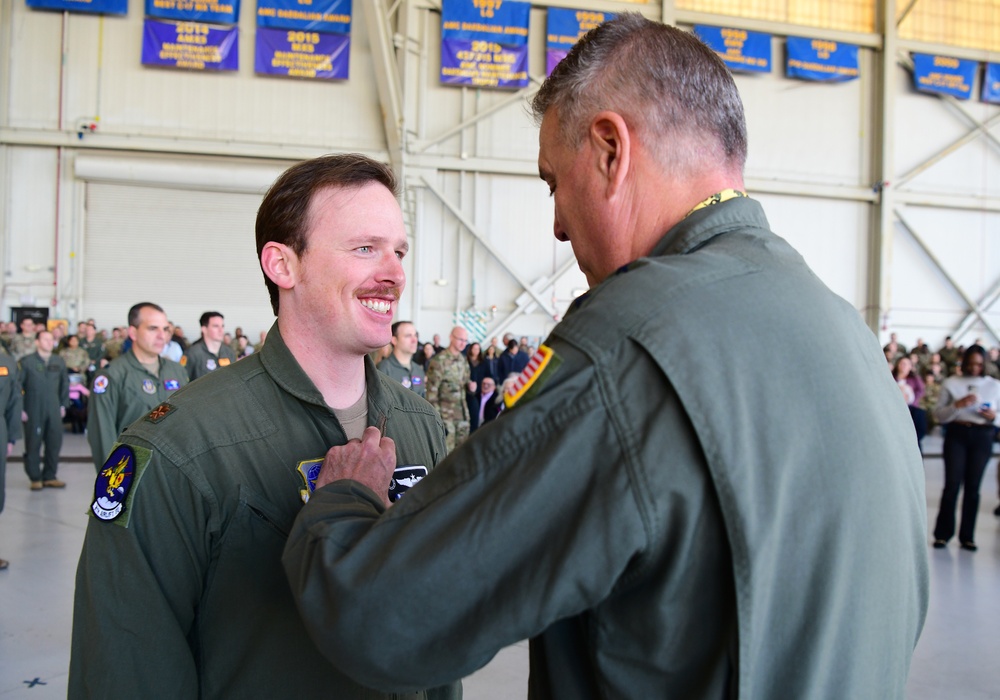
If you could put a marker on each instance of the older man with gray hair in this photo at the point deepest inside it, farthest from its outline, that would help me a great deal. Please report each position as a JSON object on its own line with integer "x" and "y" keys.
{"x": 658, "y": 523}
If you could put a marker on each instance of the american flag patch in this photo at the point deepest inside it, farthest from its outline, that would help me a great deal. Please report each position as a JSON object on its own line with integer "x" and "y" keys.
{"x": 539, "y": 368}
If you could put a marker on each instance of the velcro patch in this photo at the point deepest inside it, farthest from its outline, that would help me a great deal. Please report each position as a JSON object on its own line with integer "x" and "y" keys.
{"x": 184, "y": 360}
{"x": 539, "y": 370}
{"x": 223, "y": 362}
{"x": 116, "y": 482}
{"x": 3, "y": 371}
{"x": 309, "y": 471}
{"x": 160, "y": 412}
{"x": 101, "y": 384}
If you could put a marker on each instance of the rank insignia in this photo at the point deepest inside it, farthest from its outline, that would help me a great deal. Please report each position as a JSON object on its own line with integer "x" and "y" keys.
{"x": 101, "y": 384}
{"x": 171, "y": 384}
{"x": 148, "y": 386}
{"x": 540, "y": 368}
{"x": 160, "y": 412}
{"x": 210, "y": 365}
{"x": 115, "y": 481}
{"x": 223, "y": 361}
{"x": 309, "y": 471}
{"x": 3, "y": 371}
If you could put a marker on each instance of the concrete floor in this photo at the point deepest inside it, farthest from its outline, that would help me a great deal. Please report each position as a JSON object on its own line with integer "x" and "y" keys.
{"x": 41, "y": 534}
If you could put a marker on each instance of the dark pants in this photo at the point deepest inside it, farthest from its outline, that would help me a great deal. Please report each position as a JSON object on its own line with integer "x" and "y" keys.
{"x": 919, "y": 417}
{"x": 967, "y": 449}
{"x": 48, "y": 430}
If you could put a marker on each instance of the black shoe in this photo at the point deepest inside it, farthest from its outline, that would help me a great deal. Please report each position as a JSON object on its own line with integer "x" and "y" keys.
{"x": 997, "y": 511}
{"x": 939, "y": 544}
{"x": 969, "y": 546}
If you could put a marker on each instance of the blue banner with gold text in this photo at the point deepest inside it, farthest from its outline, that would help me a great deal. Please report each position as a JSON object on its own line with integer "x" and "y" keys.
{"x": 191, "y": 45}
{"x": 212, "y": 11}
{"x": 97, "y": 7}
{"x": 821, "y": 59}
{"x": 484, "y": 43}
{"x": 564, "y": 28}
{"x": 739, "y": 49}
{"x": 299, "y": 54}
{"x": 991, "y": 83}
{"x": 943, "y": 75}
{"x": 307, "y": 15}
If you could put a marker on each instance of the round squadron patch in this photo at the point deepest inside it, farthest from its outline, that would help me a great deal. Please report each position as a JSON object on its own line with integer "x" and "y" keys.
{"x": 113, "y": 483}
{"x": 148, "y": 386}
{"x": 101, "y": 384}
{"x": 210, "y": 365}
{"x": 406, "y": 382}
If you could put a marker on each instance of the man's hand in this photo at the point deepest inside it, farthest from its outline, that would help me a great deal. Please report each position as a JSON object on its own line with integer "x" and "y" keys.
{"x": 369, "y": 461}
{"x": 966, "y": 401}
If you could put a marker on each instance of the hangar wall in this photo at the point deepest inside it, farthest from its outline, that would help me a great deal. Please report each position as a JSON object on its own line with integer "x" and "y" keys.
{"x": 883, "y": 190}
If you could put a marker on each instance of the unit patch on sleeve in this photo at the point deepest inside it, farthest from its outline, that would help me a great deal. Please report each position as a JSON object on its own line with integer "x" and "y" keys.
{"x": 309, "y": 471}
{"x": 539, "y": 370}
{"x": 113, "y": 490}
{"x": 101, "y": 384}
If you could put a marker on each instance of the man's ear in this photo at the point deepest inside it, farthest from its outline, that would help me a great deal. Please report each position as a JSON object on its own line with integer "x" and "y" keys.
{"x": 610, "y": 138}
{"x": 280, "y": 264}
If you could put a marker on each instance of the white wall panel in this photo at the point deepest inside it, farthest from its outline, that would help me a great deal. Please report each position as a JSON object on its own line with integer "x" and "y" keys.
{"x": 188, "y": 251}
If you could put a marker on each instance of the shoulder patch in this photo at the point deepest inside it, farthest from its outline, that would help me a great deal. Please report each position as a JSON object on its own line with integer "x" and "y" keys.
{"x": 101, "y": 384}
{"x": 539, "y": 370}
{"x": 309, "y": 471}
{"x": 160, "y": 412}
{"x": 113, "y": 489}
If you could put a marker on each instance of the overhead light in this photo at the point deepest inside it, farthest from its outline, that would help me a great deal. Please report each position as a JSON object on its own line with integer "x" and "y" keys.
{"x": 441, "y": 282}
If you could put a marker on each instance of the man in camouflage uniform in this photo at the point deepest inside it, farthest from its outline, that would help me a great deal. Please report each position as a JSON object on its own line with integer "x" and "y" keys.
{"x": 24, "y": 344}
{"x": 447, "y": 379}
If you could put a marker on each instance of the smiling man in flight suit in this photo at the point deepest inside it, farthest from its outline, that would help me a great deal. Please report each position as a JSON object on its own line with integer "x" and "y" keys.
{"x": 180, "y": 591}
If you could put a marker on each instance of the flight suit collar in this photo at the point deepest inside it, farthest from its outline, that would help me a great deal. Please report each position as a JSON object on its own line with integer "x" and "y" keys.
{"x": 287, "y": 373}
{"x": 134, "y": 361}
{"x": 696, "y": 229}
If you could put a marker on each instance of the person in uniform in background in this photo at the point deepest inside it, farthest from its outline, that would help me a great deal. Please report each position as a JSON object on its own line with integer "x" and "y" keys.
{"x": 210, "y": 352}
{"x": 399, "y": 364}
{"x": 24, "y": 343}
{"x": 448, "y": 378}
{"x": 134, "y": 383}
{"x": 45, "y": 383}
{"x": 179, "y": 579}
{"x": 657, "y": 523}
{"x": 10, "y": 421}
{"x": 76, "y": 358}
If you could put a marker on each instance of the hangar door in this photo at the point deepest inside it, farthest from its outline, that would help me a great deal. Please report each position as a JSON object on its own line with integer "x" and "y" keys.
{"x": 188, "y": 251}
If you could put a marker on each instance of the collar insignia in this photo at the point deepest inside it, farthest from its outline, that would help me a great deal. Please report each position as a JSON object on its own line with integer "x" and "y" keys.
{"x": 538, "y": 371}
{"x": 160, "y": 412}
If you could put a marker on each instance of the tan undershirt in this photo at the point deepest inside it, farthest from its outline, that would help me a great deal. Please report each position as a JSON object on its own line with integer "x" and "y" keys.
{"x": 151, "y": 367}
{"x": 354, "y": 418}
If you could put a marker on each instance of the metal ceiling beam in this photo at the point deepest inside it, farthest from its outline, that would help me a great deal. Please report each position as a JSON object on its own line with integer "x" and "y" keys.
{"x": 471, "y": 228}
{"x": 387, "y": 81}
{"x": 951, "y": 280}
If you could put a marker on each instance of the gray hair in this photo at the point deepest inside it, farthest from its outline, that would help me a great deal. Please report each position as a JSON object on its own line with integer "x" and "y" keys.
{"x": 671, "y": 89}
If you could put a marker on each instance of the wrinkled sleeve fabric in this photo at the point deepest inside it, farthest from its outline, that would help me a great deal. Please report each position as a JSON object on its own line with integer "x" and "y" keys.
{"x": 532, "y": 520}
{"x": 102, "y": 410}
{"x": 137, "y": 592}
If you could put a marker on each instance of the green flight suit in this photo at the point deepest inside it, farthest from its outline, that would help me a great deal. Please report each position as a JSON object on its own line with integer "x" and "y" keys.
{"x": 10, "y": 419}
{"x": 199, "y": 360}
{"x": 46, "y": 391}
{"x": 411, "y": 377}
{"x": 94, "y": 349}
{"x": 122, "y": 393}
{"x": 662, "y": 517}
{"x": 183, "y": 595}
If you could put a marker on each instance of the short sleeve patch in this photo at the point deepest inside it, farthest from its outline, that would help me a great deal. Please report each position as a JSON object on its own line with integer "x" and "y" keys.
{"x": 116, "y": 480}
{"x": 539, "y": 370}
{"x": 101, "y": 384}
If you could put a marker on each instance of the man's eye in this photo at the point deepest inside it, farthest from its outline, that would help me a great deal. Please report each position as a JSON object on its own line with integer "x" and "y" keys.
{"x": 365, "y": 249}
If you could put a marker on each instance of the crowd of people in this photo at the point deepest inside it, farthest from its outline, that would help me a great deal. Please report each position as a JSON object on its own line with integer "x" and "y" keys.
{"x": 958, "y": 388}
